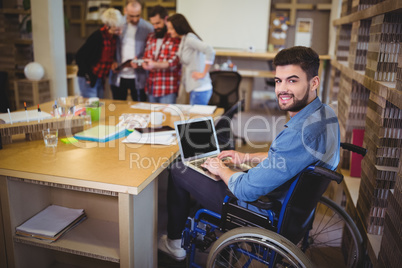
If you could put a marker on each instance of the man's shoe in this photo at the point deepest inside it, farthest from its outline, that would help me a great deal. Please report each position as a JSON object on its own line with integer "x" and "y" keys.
{"x": 172, "y": 248}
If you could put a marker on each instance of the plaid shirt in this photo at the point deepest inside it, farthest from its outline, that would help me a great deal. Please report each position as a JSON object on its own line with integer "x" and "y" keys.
{"x": 163, "y": 82}
{"x": 102, "y": 68}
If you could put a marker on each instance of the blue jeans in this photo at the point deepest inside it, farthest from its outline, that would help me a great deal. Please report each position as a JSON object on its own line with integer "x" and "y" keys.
{"x": 87, "y": 91}
{"x": 169, "y": 99}
{"x": 200, "y": 97}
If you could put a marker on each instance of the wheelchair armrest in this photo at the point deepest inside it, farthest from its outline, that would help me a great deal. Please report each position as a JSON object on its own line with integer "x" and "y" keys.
{"x": 263, "y": 202}
{"x": 329, "y": 174}
{"x": 354, "y": 148}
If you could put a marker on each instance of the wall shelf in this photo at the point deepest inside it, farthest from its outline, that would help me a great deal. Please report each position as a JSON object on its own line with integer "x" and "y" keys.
{"x": 378, "y": 9}
{"x": 384, "y": 89}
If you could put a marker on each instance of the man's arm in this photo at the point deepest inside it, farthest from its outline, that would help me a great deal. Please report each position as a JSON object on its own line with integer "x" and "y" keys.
{"x": 170, "y": 60}
{"x": 217, "y": 165}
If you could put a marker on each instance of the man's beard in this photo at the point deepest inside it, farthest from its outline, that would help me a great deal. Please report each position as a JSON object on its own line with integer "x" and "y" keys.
{"x": 297, "y": 104}
{"x": 160, "y": 33}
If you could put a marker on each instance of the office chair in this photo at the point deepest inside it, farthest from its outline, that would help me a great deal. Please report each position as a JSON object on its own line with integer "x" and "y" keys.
{"x": 223, "y": 127}
{"x": 225, "y": 88}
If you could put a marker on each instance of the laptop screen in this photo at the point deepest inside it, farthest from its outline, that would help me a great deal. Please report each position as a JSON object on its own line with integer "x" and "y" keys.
{"x": 197, "y": 138}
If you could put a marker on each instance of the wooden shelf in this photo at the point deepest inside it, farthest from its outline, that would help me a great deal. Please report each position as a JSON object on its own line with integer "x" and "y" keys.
{"x": 378, "y": 9}
{"x": 16, "y": 11}
{"x": 385, "y": 89}
{"x": 22, "y": 41}
{"x": 351, "y": 187}
{"x": 92, "y": 238}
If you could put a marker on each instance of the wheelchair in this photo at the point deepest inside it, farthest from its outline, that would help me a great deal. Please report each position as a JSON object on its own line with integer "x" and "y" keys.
{"x": 300, "y": 227}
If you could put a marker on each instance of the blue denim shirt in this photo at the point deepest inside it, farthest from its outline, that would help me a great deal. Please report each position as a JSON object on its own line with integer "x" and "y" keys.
{"x": 311, "y": 137}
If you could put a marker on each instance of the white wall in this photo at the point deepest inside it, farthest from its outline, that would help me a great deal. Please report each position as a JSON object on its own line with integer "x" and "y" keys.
{"x": 233, "y": 24}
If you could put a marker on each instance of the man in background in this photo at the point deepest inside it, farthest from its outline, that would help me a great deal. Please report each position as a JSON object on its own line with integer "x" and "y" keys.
{"x": 130, "y": 45}
{"x": 161, "y": 59}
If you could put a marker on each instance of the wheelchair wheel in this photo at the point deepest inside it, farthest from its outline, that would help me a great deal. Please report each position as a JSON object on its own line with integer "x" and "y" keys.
{"x": 334, "y": 239}
{"x": 255, "y": 247}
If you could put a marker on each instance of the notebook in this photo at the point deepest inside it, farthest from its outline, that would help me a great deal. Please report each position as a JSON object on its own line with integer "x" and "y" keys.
{"x": 197, "y": 142}
{"x": 102, "y": 133}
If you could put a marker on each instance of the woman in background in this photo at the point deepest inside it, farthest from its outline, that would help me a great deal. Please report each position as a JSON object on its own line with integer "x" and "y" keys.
{"x": 196, "y": 57}
{"x": 95, "y": 57}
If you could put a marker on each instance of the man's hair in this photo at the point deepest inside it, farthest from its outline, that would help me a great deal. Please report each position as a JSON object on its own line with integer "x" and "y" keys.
{"x": 181, "y": 25}
{"x": 158, "y": 10}
{"x": 305, "y": 57}
{"x": 112, "y": 18}
{"x": 133, "y": 2}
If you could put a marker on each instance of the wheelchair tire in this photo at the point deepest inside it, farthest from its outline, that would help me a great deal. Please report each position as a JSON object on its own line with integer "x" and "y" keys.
{"x": 235, "y": 248}
{"x": 334, "y": 237}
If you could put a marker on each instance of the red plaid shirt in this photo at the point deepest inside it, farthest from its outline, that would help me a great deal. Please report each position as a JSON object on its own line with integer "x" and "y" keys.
{"x": 163, "y": 82}
{"x": 102, "y": 68}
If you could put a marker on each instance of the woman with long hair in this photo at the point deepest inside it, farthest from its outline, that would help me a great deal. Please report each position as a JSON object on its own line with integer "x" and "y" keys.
{"x": 195, "y": 56}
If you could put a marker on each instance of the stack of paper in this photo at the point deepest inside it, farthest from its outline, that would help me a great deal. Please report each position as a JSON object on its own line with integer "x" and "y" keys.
{"x": 101, "y": 133}
{"x": 31, "y": 115}
{"x": 192, "y": 109}
{"x": 51, "y": 223}
{"x": 148, "y": 106}
{"x": 131, "y": 121}
{"x": 151, "y": 138}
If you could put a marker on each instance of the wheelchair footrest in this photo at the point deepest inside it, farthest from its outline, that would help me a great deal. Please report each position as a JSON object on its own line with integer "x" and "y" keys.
{"x": 234, "y": 216}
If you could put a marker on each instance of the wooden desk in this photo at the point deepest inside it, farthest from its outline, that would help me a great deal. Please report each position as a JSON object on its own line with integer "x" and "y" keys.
{"x": 248, "y": 75}
{"x": 114, "y": 182}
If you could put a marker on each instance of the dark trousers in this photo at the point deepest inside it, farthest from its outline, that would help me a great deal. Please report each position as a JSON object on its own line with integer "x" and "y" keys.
{"x": 183, "y": 183}
{"x": 120, "y": 93}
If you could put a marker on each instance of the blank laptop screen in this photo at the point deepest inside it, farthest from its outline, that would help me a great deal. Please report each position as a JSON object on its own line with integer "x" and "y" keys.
{"x": 197, "y": 138}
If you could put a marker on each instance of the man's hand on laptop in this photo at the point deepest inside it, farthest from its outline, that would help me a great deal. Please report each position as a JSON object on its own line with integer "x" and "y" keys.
{"x": 235, "y": 157}
{"x": 216, "y": 166}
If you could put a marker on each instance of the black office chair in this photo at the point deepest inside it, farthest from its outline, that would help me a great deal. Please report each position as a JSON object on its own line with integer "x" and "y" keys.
{"x": 223, "y": 127}
{"x": 225, "y": 86}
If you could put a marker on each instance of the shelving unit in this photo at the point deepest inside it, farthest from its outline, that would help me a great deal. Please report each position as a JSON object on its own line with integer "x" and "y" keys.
{"x": 368, "y": 49}
{"x": 76, "y": 12}
{"x": 16, "y": 51}
{"x": 97, "y": 237}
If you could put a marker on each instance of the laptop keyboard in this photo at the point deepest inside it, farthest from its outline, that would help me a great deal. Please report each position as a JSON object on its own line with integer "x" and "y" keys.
{"x": 199, "y": 162}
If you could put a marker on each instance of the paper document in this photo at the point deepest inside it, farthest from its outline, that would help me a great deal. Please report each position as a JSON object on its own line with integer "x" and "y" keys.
{"x": 151, "y": 138}
{"x": 33, "y": 115}
{"x": 132, "y": 121}
{"x": 148, "y": 106}
{"x": 192, "y": 109}
{"x": 50, "y": 221}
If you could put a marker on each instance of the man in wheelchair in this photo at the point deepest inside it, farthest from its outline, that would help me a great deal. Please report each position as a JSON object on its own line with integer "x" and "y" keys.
{"x": 311, "y": 137}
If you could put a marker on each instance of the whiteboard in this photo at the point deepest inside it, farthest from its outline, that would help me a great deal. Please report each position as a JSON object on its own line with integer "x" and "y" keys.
{"x": 230, "y": 24}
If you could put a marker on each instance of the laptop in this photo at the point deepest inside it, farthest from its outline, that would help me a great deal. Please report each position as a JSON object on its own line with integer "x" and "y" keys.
{"x": 198, "y": 141}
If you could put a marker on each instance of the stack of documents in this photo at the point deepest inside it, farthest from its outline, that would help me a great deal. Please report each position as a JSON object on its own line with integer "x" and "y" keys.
{"x": 24, "y": 116}
{"x": 51, "y": 223}
{"x": 192, "y": 109}
{"x": 162, "y": 138}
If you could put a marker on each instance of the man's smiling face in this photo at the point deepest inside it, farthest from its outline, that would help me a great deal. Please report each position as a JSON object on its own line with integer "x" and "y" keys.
{"x": 293, "y": 90}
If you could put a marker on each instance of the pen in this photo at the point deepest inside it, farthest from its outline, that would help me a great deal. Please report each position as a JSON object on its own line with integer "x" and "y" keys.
{"x": 9, "y": 115}
{"x": 26, "y": 112}
{"x": 39, "y": 114}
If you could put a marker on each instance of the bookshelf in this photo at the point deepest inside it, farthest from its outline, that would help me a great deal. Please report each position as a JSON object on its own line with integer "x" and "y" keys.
{"x": 366, "y": 81}
{"x": 15, "y": 46}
